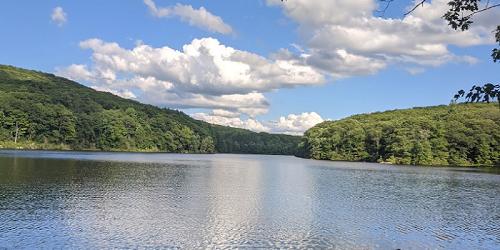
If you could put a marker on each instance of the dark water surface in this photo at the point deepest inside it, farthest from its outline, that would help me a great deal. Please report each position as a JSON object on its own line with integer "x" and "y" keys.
{"x": 123, "y": 200}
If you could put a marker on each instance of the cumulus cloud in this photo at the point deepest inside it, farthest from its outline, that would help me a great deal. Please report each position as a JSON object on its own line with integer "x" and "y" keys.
{"x": 252, "y": 104}
{"x": 200, "y": 18}
{"x": 225, "y": 113}
{"x": 236, "y": 122}
{"x": 204, "y": 74}
{"x": 293, "y": 124}
{"x": 76, "y": 72}
{"x": 58, "y": 16}
{"x": 122, "y": 93}
{"x": 343, "y": 37}
{"x": 297, "y": 124}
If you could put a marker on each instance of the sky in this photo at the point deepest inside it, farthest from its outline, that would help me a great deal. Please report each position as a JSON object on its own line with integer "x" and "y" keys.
{"x": 264, "y": 65}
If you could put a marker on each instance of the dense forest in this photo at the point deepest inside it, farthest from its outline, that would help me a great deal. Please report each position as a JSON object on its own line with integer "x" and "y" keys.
{"x": 43, "y": 111}
{"x": 458, "y": 134}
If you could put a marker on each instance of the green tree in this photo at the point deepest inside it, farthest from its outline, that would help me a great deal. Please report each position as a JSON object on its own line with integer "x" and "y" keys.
{"x": 462, "y": 134}
{"x": 53, "y": 112}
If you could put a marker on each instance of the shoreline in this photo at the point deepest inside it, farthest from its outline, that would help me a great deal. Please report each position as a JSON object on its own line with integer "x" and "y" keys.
{"x": 58, "y": 149}
{"x": 216, "y": 153}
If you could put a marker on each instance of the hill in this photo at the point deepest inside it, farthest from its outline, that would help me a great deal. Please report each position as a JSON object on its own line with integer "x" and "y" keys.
{"x": 43, "y": 111}
{"x": 459, "y": 134}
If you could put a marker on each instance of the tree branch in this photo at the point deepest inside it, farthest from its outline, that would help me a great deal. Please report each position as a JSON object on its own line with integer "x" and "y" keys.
{"x": 388, "y": 3}
{"x": 415, "y": 7}
{"x": 481, "y": 10}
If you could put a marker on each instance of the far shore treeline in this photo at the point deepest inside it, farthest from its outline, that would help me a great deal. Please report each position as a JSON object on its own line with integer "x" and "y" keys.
{"x": 43, "y": 111}
{"x": 457, "y": 134}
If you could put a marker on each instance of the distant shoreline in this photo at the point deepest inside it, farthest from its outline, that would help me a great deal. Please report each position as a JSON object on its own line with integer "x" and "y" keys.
{"x": 56, "y": 149}
{"x": 224, "y": 153}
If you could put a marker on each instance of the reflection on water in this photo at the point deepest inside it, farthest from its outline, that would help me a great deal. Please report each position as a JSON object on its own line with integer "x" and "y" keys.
{"x": 117, "y": 200}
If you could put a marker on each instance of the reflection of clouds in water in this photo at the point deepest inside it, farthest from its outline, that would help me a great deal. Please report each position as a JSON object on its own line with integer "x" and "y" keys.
{"x": 235, "y": 201}
{"x": 245, "y": 212}
{"x": 288, "y": 203}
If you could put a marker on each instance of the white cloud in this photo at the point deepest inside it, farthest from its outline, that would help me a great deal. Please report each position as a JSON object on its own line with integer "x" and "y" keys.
{"x": 293, "y": 124}
{"x": 76, "y": 72}
{"x": 122, "y": 93}
{"x": 297, "y": 124}
{"x": 59, "y": 16}
{"x": 200, "y": 18}
{"x": 203, "y": 66}
{"x": 236, "y": 122}
{"x": 225, "y": 113}
{"x": 252, "y": 104}
{"x": 343, "y": 37}
{"x": 204, "y": 74}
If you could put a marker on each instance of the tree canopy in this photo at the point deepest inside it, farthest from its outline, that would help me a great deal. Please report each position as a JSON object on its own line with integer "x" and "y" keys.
{"x": 39, "y": 110}
{"x": 459, "y": 134}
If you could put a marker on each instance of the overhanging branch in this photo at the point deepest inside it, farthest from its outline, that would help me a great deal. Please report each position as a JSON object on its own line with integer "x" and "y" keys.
{"x": 421, "y": 4}
{"x": 481, "y": 10}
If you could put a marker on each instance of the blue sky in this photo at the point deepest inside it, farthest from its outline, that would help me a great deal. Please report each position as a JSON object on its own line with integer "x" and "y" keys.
{"x": 345, "y": 70}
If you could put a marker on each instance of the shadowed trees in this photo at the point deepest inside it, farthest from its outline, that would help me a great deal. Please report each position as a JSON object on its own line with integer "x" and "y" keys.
{"x": 487, "y": 93}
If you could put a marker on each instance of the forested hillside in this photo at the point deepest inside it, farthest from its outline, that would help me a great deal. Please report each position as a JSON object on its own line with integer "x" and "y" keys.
{"x": 459, "y": 134}
{"x": 43, "y": 111}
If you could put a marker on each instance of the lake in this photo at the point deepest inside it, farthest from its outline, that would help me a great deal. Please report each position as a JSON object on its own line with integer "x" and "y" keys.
{"x": 135, "y": 200}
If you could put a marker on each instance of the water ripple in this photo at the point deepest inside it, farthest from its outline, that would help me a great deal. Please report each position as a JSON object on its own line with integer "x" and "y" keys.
{"x": 92, "y": 200}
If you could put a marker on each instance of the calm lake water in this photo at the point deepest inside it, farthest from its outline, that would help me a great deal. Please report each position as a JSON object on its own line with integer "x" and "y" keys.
{"x": 132, "y": 200}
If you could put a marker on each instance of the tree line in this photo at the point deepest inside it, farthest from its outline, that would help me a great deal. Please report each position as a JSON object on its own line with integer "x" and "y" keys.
{"x": 459, "y": 134}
